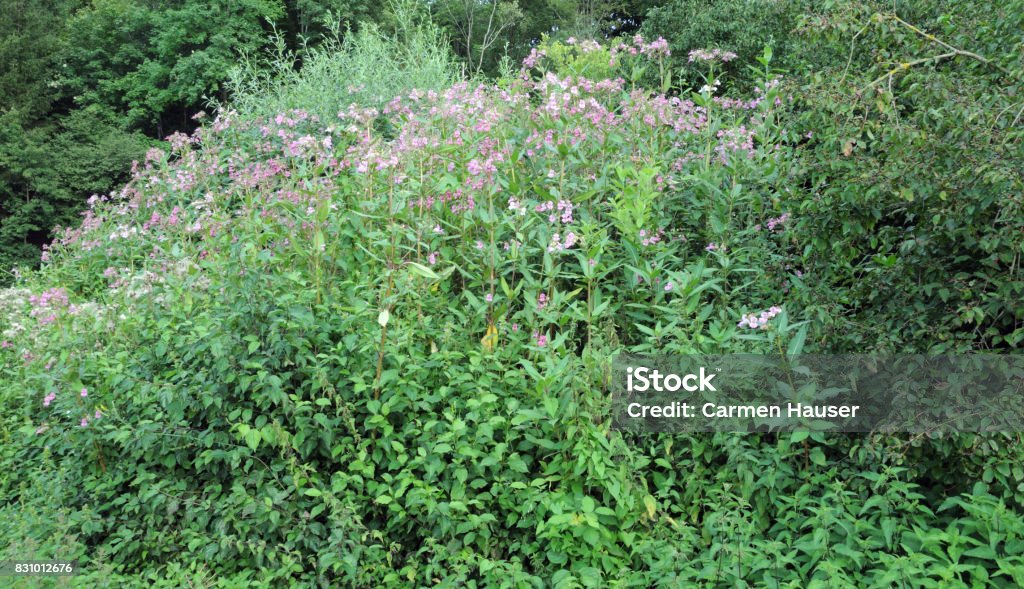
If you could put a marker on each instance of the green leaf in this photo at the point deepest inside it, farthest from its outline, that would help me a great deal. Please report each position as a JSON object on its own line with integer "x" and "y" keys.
{"x": 252, "y": 438}
{"x": 818, "y": 457}
{"x": 796, "y": 345}
{"x": 423, "y": 271}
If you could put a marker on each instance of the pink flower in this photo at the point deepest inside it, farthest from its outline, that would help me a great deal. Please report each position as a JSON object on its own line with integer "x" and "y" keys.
{"x": 489, "y": 297}
{"x": 760, "y": 321}
{"x": 85, "y": 392}
{"x": 97, "y": 415}
{"x": 668, "y": 286}
{"x": 542, "y": 301}
{"x": 84, "y": 422}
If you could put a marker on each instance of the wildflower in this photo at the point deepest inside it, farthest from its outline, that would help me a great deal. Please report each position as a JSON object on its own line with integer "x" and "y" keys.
{"x": 85, "y": 422}
{"x": 85, "y": 392}
{"x": 532, "y": 59}
{"x": 438, "y": 230}
{"x": 49, "y": 399}
{"x": 668, "y": 286}
{"x": 760, "y": 321}
{"x": 542, "y": 301}
{"x": 540, "y": 339}
{"x": 479, "y": 245}
{"x": 489, "y": 297}
{"x": 97, "y": 415}
{"x": 711, "y": 55}
{"x": 432, "y": 257}
{"x": 777, "y": 221}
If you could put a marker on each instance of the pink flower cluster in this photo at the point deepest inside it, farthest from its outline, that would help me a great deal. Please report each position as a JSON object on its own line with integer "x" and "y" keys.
{"x": 533, "y": 58}
{"x": 753, "y": 321}
{"x": 458, "y": 201}
{"x": 540, "y": 339}
{"x": 650, "y": 238}
{"x": 557, "y": 245}
{"x": 711, "y": 55}
{"x": 47, "y": 304}
{"x": 657, "y": 48}
{"x": 777, "y": 221}
{"x": 563, "y": 207}
{"x": 735, "y": 140}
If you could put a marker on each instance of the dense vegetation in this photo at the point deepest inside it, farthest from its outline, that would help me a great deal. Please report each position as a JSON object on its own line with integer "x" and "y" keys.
{"x": 354, "y": 328}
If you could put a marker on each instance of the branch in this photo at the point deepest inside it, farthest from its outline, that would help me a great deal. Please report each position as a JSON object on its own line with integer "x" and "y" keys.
{"x": 908, "y": 65}
{"x": 955, "y": 50}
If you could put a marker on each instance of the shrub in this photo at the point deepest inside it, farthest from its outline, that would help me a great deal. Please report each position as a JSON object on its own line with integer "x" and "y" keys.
{"x": 368, "y": 66}
{"x": 374, "y": 353}
{"x": 913, "y": 174}
{"x": 742, "y": 27}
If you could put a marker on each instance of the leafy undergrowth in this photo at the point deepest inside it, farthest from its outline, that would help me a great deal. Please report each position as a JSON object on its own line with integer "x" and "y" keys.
{"x": 373, "y": 351}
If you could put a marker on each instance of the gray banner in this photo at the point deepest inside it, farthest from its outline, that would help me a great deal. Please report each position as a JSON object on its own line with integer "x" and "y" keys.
{"x": 842, "y": 393}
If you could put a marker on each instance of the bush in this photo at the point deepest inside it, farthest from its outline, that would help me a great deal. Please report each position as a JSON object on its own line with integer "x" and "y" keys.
{"x": 368, "y": 67}
{"x": 913, "y": 175}
{"x": 742, "y": 27}
{"x": 375, "y": 353}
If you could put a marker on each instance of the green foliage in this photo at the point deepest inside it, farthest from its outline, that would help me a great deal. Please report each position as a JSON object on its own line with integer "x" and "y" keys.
{"x": 914, "y": 172}
{"x": 743, "y": 27}
{"x": 157, "y": 63}
{"x": 372, "y": 350}
{"x": 367, "y": 66}
{"x": 45, "y": 171}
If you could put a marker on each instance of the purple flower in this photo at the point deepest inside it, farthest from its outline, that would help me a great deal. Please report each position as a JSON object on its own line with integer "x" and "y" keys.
{"x": 85, "y": 392}
{"x": 84, "y": 422}
{"x": 489, "y": 297}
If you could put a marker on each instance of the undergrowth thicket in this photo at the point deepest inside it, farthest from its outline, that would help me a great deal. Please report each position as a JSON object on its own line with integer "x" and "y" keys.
{"x": 371, "y": 349}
